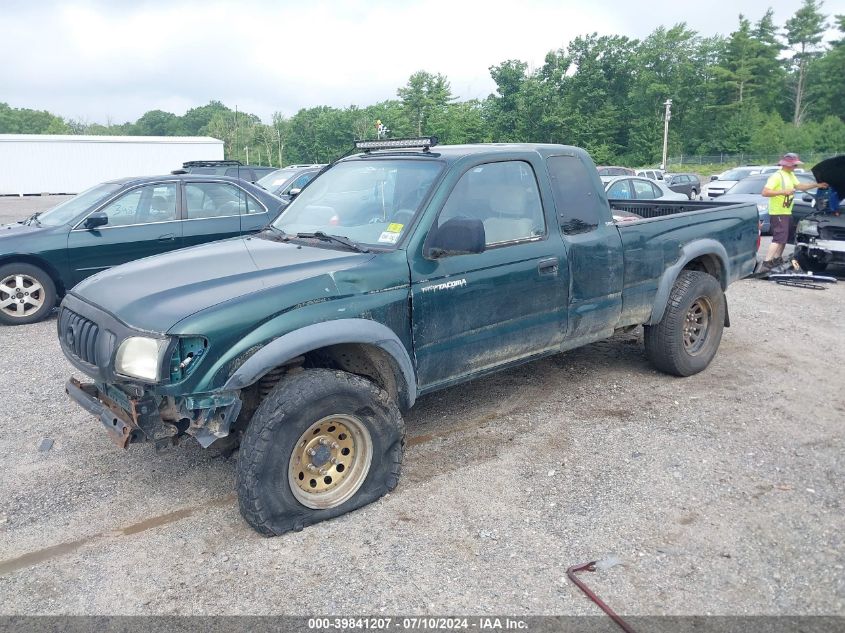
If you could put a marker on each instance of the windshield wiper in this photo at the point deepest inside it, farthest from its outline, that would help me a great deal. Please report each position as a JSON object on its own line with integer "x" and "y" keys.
{"x": 282, "y": 235}
{"x": 31, "y": 219}
{"x": 338, "y": 239}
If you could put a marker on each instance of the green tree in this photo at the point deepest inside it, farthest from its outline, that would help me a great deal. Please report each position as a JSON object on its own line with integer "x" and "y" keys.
{"x": 423, "y": 94}
{"x": 804, "y": 33}
{"x": 509, "y": 77}
{"x": 825, "y": 87}
{"x": 26, "y": 121}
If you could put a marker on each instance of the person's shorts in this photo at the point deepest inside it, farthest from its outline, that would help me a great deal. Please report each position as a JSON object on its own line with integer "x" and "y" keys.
{"x": 780, "y": 228}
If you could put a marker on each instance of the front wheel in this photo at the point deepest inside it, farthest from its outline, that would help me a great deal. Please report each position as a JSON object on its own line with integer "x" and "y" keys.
{"x": 321, "y": 444}
{"x": 27, "y": 294}
{"x": 693, "y": 194}
{"x": 688, "y": 335}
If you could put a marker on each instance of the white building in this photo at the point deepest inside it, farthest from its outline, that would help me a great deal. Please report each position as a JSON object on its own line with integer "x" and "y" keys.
{"x": 46, "y": 163}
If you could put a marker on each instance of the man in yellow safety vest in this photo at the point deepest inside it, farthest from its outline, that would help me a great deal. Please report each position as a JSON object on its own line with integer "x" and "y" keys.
{"x": 780, "y": 190}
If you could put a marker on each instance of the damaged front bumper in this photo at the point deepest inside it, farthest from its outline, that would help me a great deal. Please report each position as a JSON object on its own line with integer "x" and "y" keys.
{"x": 144, "y": 416}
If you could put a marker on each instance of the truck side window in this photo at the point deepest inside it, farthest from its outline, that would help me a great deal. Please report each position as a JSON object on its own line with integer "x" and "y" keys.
{"x": 579, "y": 207}
{"x": 504, "y": 196}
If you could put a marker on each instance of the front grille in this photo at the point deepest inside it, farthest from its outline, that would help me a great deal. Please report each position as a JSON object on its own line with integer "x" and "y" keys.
{"x": 832, "y": 233}
{"x": 79, "y": 336}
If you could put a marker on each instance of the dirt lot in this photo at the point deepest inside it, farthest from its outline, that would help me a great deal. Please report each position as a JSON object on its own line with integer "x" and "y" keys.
{"x": 721, "y": 493}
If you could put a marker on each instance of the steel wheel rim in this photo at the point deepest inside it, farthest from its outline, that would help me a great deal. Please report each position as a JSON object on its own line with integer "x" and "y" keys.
{"x": 697, "y": 325}
{"x": 330, "y": 461}
{"x": 21, "y": 295}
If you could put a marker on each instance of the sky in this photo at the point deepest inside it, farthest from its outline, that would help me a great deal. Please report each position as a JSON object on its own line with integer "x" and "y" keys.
{"x": 111, "y": 61}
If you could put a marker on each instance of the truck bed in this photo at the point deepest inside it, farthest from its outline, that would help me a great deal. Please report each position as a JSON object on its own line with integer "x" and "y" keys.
{"x": 649, "y": 252}
{"x": 649, "y": 210}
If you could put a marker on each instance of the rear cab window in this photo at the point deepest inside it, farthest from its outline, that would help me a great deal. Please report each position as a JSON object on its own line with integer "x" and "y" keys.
{"x": 579, "y": 206}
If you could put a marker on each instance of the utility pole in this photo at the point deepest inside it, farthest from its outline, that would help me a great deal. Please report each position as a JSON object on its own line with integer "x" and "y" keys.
{"x": 666, "y": 117}
{"x": 279, "y": 135}
{"x": 247, "y": 154}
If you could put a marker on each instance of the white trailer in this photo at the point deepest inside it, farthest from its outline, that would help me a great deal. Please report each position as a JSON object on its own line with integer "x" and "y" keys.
{"x": 47, "y": 163}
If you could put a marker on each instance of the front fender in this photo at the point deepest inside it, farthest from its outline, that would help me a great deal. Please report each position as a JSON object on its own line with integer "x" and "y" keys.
{"x": 312, "y": 337}
{"x": 689, "y": 252}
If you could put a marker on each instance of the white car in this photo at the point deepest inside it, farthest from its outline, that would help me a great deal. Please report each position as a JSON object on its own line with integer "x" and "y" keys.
{"x": 652, "y": 174}
{"x": 636, "y": 188}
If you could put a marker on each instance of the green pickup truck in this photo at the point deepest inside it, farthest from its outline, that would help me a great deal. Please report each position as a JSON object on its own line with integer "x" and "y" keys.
{"x": 403, "y": 269}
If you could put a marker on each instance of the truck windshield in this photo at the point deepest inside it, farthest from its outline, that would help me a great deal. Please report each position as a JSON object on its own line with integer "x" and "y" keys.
{"x": 67, "y": 211}
{"x": 370, "y": 201}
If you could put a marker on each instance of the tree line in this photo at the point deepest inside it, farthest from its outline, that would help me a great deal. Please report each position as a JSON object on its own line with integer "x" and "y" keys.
{"x": 762, "y": 89}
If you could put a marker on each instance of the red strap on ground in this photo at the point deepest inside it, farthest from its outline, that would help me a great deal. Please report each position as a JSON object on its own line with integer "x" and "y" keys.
{"x": 591, "y": 566}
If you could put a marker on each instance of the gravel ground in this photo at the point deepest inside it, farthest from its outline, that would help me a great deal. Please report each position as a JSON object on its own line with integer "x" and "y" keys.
{"x": 717, "y": 494}
{"x": 14, "y": 208}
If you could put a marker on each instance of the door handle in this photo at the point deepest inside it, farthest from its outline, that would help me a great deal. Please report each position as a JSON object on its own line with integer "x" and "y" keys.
{"x": 548, "y": 266}
{"x": 167, "y": 238}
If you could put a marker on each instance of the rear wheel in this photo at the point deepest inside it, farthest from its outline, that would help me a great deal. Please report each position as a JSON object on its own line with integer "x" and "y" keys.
{"x": 27, "y": 294}
{"x": 322, "y": 443}
{"x": 693, "y": 194}
{"x": 688, "y": 335}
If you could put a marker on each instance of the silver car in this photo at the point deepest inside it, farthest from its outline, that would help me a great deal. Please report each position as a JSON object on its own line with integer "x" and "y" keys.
{"x": 634, "y": 188}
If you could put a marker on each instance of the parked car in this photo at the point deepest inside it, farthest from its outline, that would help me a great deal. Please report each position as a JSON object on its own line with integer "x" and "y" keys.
{"x": 750, "y": 189}
{"x": 720, "y": 183}
{"x": 626, "y": 188}
{"x": 653, "y": 174}
{"x": 231, "y": 168}
{"x": 391, "y": 275}
{"x": 820, "y": 240}
{"x": 44, "y": 256}
{"x": 282, "y": 181}
{"x": 606, "y": 173}
{"x": 687, "y": 184}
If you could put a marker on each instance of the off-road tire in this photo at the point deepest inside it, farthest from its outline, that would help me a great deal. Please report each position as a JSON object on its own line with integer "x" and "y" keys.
{"x": 809, "y": 263}
{"x": 265, "y": 497}
{"x": 48, "y": 301}
{"x": 664, "y": 342}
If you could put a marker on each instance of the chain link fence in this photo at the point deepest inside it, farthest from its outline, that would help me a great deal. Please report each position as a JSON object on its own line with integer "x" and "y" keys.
{"x": 744, "y": 159}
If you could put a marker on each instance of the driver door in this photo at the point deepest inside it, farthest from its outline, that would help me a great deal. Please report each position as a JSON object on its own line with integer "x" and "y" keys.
{"x": 473, "y": 312}
{"x": 143, "y": 221}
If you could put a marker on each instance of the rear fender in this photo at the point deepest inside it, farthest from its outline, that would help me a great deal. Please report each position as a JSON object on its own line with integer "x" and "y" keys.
{"x": 689, "y": 252}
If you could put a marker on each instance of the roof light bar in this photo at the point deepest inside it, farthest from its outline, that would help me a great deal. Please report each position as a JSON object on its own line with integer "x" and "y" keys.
{"x": 392, "y": 143}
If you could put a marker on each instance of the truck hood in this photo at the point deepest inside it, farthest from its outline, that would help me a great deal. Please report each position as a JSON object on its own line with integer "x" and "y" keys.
{"x": 154, "y": 293}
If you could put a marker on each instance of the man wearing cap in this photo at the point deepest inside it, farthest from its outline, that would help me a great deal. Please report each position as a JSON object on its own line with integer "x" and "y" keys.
{"x": 780, "y": 190}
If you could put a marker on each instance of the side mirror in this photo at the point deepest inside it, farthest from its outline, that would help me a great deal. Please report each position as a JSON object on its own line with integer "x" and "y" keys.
{"x": 659, "y": 176}
{"x": 458, "y": 236}
{"x": 294, "y": 192}
{"x": 712, "y": 178}
{"x": 96, "y": 219}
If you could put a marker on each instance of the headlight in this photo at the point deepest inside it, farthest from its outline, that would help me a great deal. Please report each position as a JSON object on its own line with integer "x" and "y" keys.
{"x": 140, "y": 357}
{"x": 808, "y": 227}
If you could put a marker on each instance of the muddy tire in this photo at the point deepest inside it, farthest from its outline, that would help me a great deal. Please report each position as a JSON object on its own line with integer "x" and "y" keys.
{"x": 688, "y": 335}
{"x": 27, "y": 294}
{"x": 322, "y": 443}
